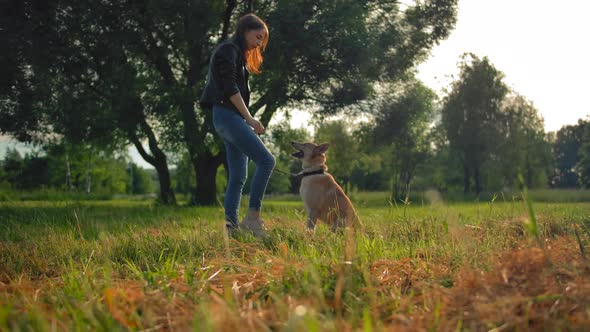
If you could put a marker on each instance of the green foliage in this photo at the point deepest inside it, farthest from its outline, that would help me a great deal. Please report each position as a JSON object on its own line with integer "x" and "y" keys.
{"x": 570, "y": 148}
{"x": 583, "y": 164}
{"x": 12, "y": 166}
{"x": 105, "y": 74}
{"x": 443, "y": 171}
{"x": 565, "y": 150}
{"x": 73, "y": 168}
{"x": 30, "y": 172}
{"x": 333, "y": 51}
{"x": 140, "y": 181}
{"x": 495, "y": 133}
{"x": 84, "y": 168}
{"x": 402, "y": 128}
{"x": 279, "y": 182}
{"x": 221, "y": 183}
{"x": 76, "y": 80}
{"x": 471, "y": 115}
{"x": 183, "y": 175}
{"x": 102, "y": 71}
{"x": 522, "y": 149}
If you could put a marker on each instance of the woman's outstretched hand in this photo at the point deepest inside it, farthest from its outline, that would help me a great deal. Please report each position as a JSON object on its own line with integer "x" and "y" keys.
{"x": 258, "y": 127}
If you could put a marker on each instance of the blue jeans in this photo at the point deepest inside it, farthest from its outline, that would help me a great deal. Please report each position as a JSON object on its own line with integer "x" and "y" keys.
{"x": 242, "y": 144}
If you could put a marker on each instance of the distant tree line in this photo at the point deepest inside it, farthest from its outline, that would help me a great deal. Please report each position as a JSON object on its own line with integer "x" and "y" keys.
{"x": 361, "y": 157}
{"x": 479, "y": 136}
{"x": 74, "y": 169}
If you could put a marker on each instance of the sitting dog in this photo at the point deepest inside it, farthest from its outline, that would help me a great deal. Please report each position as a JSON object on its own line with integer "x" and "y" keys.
{"x": 323, "y": 198}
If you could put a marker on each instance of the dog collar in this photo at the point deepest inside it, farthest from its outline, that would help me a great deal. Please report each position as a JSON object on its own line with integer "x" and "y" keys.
{"x": 319, "y": 171}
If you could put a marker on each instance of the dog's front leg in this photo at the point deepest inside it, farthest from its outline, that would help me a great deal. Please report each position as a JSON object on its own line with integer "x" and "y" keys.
{"x": 311, "y": 221}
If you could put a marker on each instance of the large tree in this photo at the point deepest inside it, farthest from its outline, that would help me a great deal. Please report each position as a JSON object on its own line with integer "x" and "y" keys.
{"x": 572, "y": 156}
{"x": 73, "y": 78}
{"x": 471, "y": 116}
{"x": 583, "y": 165}
{"x": 523, "y": 147}
{"x": 327, "y": 53}
{"x": 402, "y": 126}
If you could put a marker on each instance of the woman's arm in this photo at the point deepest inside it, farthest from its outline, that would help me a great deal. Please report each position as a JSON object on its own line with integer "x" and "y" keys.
{"x": 225, "y": 60}
{"x": 238, "y": 102}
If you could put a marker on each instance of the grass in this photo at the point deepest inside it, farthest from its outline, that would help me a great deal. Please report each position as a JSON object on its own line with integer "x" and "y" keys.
{"x": 425, "y": 266}
{"x": 45, "y": 194}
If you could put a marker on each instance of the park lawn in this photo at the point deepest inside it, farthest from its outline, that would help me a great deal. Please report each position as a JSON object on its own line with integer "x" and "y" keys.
{"x": 134, "y": 265}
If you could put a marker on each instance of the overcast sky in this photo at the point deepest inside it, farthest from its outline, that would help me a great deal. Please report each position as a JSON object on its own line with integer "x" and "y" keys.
{"x": 541, "y": 46}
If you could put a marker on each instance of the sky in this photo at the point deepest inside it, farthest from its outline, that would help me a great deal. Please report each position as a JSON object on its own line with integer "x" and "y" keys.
{"x": 541, "y": 47}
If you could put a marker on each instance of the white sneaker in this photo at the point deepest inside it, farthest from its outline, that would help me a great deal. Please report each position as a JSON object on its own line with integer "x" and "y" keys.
{"x": 254, "y": 225}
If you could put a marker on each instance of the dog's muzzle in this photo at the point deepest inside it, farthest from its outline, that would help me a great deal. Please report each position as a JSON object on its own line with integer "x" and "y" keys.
{"x": 298, "y": 154}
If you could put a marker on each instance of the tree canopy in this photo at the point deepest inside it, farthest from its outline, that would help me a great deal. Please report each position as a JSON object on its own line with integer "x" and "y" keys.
{"x": 471, "y": 114}
{"x": 133, "y": 70}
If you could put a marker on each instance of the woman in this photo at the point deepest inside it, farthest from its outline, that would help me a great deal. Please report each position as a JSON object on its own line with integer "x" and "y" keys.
{"x": 227, "y": 92}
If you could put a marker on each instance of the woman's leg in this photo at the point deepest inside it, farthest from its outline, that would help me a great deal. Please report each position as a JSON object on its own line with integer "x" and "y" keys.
{"x": 234, "y": 129}
{"x": 237, "y": 163}
{"x": 265, "y": 163}
{"x": 248, "y": 142}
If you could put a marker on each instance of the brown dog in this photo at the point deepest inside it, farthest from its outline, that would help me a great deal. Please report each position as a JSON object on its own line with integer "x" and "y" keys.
{"x": 323, "y": 198}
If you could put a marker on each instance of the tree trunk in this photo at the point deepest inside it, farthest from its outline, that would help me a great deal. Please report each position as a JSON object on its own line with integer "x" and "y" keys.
{"x": 477, "y": 179}
{"x": 157, "y": 159}
{"x": 69, "y": 183}
{"x": 529, "y": 172}
{"x": 466, "y": 178}
{"x": 230, "y": 5}
{"x": 167, "y": 196}
{"x": 88, "y": 178}
{"x": 405, "y": 181}
{"x": 406, "y": 174}
{"x": 132, "y": 119}
{"x": 394, "y": 194}
{"x": 204, "y": 163}
{"x": 206, "y": 170}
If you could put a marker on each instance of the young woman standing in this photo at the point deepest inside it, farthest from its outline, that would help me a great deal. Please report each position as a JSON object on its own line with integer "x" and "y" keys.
{"x": 228, "y": 94}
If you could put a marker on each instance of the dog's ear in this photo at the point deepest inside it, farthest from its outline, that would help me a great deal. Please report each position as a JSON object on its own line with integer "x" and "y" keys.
{"x": 321, "y": 148}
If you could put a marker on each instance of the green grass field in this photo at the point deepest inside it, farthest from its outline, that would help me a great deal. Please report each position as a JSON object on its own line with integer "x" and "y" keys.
{"x": 132, "y": 265}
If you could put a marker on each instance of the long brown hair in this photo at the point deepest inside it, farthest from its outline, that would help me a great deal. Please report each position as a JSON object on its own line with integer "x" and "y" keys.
{"x": 254, "y": 56}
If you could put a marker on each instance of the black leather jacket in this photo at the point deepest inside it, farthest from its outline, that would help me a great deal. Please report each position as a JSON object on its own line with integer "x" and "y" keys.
{"x": 227, "y": 75}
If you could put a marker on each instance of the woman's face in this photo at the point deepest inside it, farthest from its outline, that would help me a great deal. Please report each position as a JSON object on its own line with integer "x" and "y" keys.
{"x": 254, "y": 38}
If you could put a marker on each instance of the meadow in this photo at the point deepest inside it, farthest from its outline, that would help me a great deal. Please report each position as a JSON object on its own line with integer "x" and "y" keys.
{"x": 426, "y": 265}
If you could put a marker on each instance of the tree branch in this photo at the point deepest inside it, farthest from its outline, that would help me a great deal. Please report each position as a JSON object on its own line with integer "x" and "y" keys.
{"x": 168, "y": 42}
{"x": 231, "y": 5}
{"x": 261, "y": 102}
{"x": 153, "y": 52}
{"x": 135, "y": 140}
